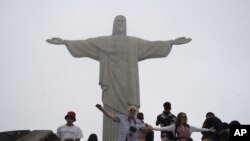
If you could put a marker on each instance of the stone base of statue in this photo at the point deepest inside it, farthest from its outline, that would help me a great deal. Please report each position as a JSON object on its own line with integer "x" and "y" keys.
{"x": 110, "y": 128}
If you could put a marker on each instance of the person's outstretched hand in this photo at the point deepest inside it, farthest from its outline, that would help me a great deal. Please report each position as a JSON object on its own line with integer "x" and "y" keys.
{"x": 98, "y": 106}
{"x": 149, "y": 127}
{"x": 212, "y": 129}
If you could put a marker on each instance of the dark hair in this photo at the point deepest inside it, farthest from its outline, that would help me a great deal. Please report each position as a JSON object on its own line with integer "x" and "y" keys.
{"x": 167, "y": 105}
{"x": 209, "y": 114}
{"x": 92, "y": 137}
{"x": 140, "y": 116}
{"x": 225, "y": 125}
{"x": 234, "y": 122}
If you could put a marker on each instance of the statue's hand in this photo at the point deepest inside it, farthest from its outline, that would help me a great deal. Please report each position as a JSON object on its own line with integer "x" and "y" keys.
{"x": 56, "y": 41}
{"x": 181, "y": 40}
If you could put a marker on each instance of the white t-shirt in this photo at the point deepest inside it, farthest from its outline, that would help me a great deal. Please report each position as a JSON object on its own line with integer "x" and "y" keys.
{"x": 69, "y": 132}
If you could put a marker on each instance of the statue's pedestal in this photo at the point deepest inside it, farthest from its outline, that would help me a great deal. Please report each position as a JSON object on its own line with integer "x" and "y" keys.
{"x": 110, "y": 128}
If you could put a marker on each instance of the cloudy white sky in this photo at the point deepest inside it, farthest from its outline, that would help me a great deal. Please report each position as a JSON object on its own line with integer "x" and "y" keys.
{"x": 40, "y": 82}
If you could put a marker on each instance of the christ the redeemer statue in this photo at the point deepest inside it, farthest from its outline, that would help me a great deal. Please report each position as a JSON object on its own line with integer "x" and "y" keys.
{"x": 118, "y": 55}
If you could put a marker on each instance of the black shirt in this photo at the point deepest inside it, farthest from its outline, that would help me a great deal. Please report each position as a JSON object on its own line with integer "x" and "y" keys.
{"x": 165, "y": 118}
{"x": 215, "y": 123}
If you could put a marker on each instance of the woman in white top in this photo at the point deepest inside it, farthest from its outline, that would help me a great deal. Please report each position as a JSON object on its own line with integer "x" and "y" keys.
{"x": 181, "y": 129}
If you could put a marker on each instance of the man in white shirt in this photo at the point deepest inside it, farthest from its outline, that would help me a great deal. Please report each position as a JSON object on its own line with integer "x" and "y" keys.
{"x": 68, "y": 131}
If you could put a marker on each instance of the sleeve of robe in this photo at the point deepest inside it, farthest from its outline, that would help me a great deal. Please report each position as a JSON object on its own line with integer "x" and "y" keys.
{"x": 153, "y": 49}
{"x": 166, "y": 128}
{"x": 84, "y": 48}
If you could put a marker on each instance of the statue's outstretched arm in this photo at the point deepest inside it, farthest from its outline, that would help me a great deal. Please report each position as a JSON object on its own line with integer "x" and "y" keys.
{"x": 181, "y": 40}
{"x": 56, "y": 41}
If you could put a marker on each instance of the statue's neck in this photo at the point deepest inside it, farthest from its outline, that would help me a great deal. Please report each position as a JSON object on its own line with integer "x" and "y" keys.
{"x": 119, "y": 33}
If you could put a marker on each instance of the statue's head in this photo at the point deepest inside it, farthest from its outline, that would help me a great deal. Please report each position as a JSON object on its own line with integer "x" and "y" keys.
{"x": 119, "y": 26}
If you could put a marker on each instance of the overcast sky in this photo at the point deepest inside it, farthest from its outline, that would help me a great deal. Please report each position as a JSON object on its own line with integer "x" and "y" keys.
{"x": 41, "y": 82}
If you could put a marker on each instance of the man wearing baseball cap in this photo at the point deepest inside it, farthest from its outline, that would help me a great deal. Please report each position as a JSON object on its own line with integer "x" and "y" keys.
{"x": 68, "y": 131}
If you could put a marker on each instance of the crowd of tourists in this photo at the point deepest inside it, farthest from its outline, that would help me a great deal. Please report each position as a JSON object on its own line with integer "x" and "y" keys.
{"x": 133, "y": 128}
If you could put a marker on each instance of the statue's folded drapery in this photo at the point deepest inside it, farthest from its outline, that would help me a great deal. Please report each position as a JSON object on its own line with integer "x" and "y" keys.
{"x": 118, "y": 57}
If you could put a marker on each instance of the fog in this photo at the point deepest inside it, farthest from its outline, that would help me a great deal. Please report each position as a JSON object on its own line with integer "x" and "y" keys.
{"x": 41, "y": 82}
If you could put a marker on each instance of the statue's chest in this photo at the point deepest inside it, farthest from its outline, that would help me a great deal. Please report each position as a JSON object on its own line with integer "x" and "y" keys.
{"x": 118, "y": 48}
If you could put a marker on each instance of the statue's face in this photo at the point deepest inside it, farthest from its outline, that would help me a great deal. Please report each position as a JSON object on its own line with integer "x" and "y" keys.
{"x": 120, "y": 24}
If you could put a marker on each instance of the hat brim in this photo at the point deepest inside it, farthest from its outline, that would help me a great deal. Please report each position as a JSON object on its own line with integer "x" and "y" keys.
{"x": 71, "y": 117}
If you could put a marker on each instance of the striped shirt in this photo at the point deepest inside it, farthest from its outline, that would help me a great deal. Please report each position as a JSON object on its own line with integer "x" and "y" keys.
{"x": 125, "y": 123}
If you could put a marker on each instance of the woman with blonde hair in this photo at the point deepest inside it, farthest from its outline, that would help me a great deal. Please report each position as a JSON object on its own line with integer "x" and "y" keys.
{"x": 181, "y": 129}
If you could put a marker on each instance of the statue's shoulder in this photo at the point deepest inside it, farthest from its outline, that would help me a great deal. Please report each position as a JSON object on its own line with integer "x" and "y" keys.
{"x": 115, "y": 37}
{"x": 132, "y": 38}
{"x": 101, "y": 37}
{"x": 112, "y": 37}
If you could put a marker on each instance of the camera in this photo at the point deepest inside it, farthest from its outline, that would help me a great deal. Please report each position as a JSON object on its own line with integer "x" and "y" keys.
{"x": 189, "y": 139}
{"x": 132, "y": 129}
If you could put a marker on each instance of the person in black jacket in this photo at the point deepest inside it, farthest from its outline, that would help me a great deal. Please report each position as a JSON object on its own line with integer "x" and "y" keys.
{"x": 165, "y": 119}
{"x": 212, "y": 122}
